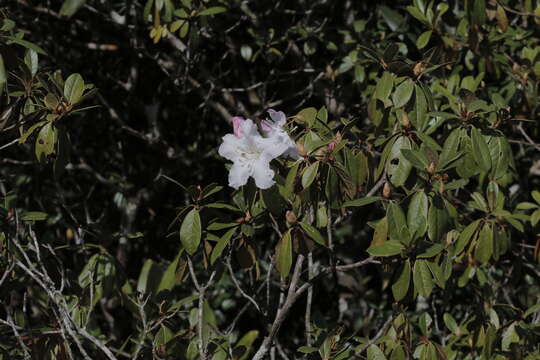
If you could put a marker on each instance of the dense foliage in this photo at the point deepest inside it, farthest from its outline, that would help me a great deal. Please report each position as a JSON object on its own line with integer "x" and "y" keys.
{"x": 408, "y": 226}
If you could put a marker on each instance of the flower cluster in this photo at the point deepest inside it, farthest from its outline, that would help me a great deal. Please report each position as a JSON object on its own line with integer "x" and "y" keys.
{"x": 251, "y": 152}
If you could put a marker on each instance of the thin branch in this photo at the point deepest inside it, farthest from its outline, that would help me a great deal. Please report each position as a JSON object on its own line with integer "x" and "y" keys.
{"x": 9, "y": 144}
{"x": 9, "y": 321}
{"x": 380, "y": 333}
{"x": 307, "y": 320}
{"x": 520, "y": 12}
{"x": 527, "y": 137}
{"x": 238, "y": 287}
{"x": 329, "y": 269}
{"x": 377, "y": 186}
{"x": 283, "y": 311}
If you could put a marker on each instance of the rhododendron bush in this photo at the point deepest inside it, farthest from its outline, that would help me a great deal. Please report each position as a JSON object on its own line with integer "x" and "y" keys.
{"x": 230, "y": 179}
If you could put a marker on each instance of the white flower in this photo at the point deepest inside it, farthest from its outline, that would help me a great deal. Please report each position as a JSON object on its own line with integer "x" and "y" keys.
{"x": 273, "y": 128}
{"x": 251, "y": 154}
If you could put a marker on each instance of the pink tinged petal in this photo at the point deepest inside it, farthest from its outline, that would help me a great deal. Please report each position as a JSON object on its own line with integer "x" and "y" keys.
{"x": 236, "y": 121}
{"x": 278, "y": 117}
{"x": 263, "y": 175}
{"x": 229, "y": 149}
{"x": 267, "y": 127}
{"x": 332, "y": 145}
{"x": 239, "y": 174}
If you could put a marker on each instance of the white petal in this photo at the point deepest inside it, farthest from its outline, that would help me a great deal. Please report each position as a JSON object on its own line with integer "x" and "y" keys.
{"x": 293, "y": 153}
{"x": 239, "y": 174}
{"x": 229, "y": 149}
{"x": 278, "y": 117}
{"x": 263, "y": 175}
{"x": 272, "y": 147}
{"x": 249, "y": 128}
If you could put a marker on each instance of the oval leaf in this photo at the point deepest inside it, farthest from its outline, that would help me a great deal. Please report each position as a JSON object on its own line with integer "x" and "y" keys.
{"x": 389, "y": 248}
{"x": 403, "y": 93}
{"x": 284, "y": 254}
{"x": 190, "y": 231}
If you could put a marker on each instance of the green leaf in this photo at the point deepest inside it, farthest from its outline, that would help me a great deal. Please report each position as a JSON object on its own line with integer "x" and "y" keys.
{"x": 190, "y": 231}
{"x": 313, "y": 233}
{"x": 309, "y": 174}
{"x": 536, "y": 196}
{"x": 401, "y": 286}
{"x": 288, "y": 188}
{"x": 284, "y": 254}
{"x": 374, "y": 353}
{"x": 388, "y": 248}
{"x": 428, "y": 141}
{"x": 438, "y": 274}
{"x": 307, "y": 115}
{"x": 30, "y": 130}
{"x": 533, "y": 309}
{"x": 322, "y": 115}
{"x": 26, "y": 44}
{"x": 396, "y": 222}
{"x": 74, "y": 88}
{"x": 450, "y": 322}
{"x": 31, "y": 60}
{"x": 221, "y": 245}
{"x": 307, "y": 349}
{"x": 398, "y": 167}
{"x": 480, "y": 150}
{"x": 213, "y": 10}
{"x": 420, "y": 111}
{"x": 423, "y": 282}
{"x": 450, "y": 148}
{"x": 526, "y": 206}
{"x": 535, "y": 217}
{"x": 416, "y": 158}
{"x": 184, "y": 29}
{"x": 423, "y": 39}
{"x": 246, "y": 342}
{"x": 484, "y": 248}
{"x": 438, "y": 219}
{"x": 479, "y": 201}
{"x": 33, "y": 216}
{"x": 466, "y": 235}
{"x": 70, "y": 7}
{"x": 509, "y": 337}
{"x": 163, "y": 336}
{"x": 384, "y": 86}
{"x": 168, "y": 280}
{"x": 414, "y": 11}
{"x": 432, "y": 251}
{"x": 391, "y": 17}
{"x": 362, "y": 202}
{"x": 477, "y": 11}
{"x": 46, "y": 142}
{"x": 403, "y": 93}
{"x": 417, "y": 214}
{"x": 149, "y": 278}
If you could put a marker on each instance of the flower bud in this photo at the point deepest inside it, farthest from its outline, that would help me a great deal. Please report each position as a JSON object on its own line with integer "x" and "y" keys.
{"x": 387, "y": 190}
{"x": 419, "y": 68}
{"x": 431, "y": 168}
{"x": 405, "y": 122}
{"x": 332, "y": 145}
{"x": 301, "y": 149}
{"x": 290, "y": 217}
